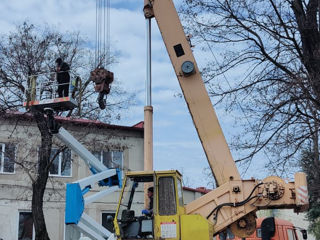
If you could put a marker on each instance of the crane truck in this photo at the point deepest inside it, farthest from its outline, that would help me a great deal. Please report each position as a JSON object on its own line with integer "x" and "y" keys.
{"x": 234, "y": 202}
{"x": 231, "y": 205}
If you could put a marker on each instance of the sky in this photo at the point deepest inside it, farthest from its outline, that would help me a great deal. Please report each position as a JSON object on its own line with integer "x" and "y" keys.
{"x": 176, "y": 144}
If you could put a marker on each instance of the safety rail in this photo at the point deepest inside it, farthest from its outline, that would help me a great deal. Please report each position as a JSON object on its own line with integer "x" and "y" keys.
{"x": 42, "y": 92}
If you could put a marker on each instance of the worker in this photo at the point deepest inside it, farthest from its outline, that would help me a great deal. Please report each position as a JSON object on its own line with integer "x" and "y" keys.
{"x": 63, "y": 77}
{"x": 74, "y": 86}
{"x": 149, "y": 211}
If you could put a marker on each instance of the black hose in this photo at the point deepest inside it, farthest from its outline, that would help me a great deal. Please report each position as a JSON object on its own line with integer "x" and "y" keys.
{"x": 238, "y": 204}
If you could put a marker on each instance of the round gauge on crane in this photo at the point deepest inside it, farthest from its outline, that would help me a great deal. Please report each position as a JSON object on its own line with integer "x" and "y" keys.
{"x": 187, "y": 68}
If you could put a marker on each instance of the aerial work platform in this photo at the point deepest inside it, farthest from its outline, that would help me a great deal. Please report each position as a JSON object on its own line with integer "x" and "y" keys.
{"x": 57, "y": 104}
{"x": 43, "y": 93}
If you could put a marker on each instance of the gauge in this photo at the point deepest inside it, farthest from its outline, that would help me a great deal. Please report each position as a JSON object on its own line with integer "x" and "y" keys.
{"x": 187, "y": 68}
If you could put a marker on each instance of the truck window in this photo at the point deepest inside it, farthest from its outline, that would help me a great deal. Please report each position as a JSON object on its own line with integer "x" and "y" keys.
{"x": 226, "y": 235}
{"x": 259, "y": 235}
{"x": 180, "y": 193}
{"x": 167, "y": 196}
{"x": 291, "y": 234}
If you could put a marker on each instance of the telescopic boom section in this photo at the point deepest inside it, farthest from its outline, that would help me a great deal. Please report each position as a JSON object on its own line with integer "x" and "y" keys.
{"x": 204, "y": 117}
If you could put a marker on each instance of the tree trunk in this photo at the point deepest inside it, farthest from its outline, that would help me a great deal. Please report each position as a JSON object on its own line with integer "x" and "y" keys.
{"x": 37, "y": 211}
{"x": 39, "y": 185}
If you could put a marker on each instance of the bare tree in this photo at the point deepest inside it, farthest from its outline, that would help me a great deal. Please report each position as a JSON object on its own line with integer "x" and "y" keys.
{"x": 265, "y": 66}
{"x": 272, "y": 50}
{"x": 29, "y": 52}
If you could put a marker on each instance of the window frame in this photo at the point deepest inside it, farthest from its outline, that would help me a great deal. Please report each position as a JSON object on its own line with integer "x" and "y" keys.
{"x": 18, "y": 225}
{"x": 2, "y": 152}
{"x": 60, "y": 162}
{"x": 112, "y": 152}
{"x": 180, "y": 193}
{"x": 108, "y": 212}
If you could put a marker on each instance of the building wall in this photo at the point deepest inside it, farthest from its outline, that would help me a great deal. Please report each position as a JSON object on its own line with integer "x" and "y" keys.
{"x": 190, "y": 194}
{"x": 15, "y": 188}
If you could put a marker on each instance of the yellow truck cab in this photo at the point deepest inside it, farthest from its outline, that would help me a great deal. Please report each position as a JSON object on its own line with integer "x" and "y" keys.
{"x": 168, "y": 220}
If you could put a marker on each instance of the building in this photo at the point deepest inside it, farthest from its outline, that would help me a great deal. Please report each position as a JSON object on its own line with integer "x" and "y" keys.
{"x": 190, "y": 194}
{"x": 115, "y": 146}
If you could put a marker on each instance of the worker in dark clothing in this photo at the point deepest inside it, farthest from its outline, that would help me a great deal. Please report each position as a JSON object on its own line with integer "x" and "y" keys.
{"x": 63, "y": 77}
{"x": 149, "y": 211}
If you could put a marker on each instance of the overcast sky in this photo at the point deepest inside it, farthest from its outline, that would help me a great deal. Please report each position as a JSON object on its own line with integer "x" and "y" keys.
{"x": 176, "y": 144}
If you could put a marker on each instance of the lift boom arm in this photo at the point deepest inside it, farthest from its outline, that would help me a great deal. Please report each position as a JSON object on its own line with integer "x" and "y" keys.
{"x": 76, "y": 220}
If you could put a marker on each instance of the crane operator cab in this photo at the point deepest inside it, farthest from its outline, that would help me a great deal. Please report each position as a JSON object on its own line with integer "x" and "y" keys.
{"x": 164, "y": 222}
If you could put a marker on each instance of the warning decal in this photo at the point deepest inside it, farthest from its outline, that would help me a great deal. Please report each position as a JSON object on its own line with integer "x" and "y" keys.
{"x": 302, "y": 194}
{"x": 168, "y": 229}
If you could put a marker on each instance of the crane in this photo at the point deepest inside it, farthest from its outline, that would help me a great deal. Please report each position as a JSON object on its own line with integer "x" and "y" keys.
{"x": 234, "y": 203}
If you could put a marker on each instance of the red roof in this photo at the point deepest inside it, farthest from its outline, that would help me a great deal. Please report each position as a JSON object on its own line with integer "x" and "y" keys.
{"x": 77, "y": 121}
{"x": 139, "y": 125}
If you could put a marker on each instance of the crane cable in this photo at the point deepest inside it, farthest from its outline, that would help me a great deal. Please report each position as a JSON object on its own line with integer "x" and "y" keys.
{"x": 100, "y": 75}
{"x": 102, "y": 41}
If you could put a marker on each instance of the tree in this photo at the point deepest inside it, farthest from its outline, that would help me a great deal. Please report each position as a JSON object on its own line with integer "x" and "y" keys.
{"x": 268, "y": 74}
{"x": 30, "y": 52}
{"x": 272, "y": 50}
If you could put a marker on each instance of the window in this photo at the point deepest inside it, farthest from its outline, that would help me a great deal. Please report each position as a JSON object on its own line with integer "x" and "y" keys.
{"x": 111, "y": 159}
{"x": 167, "y": 196}
{"x": 61, "y": 165}
{"x": 226, "y": 235}
{"x": 180, "y": 193}
{"x": 259, "y": 233}
{"x": 107, "y": 220}
{"x": 7, "y": 157}
{"x": 25, "y": 231}
{"x": 291, "y": 234}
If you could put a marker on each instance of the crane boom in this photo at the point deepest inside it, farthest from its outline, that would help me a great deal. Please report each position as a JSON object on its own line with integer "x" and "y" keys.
{"x": 196, "y": 96}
